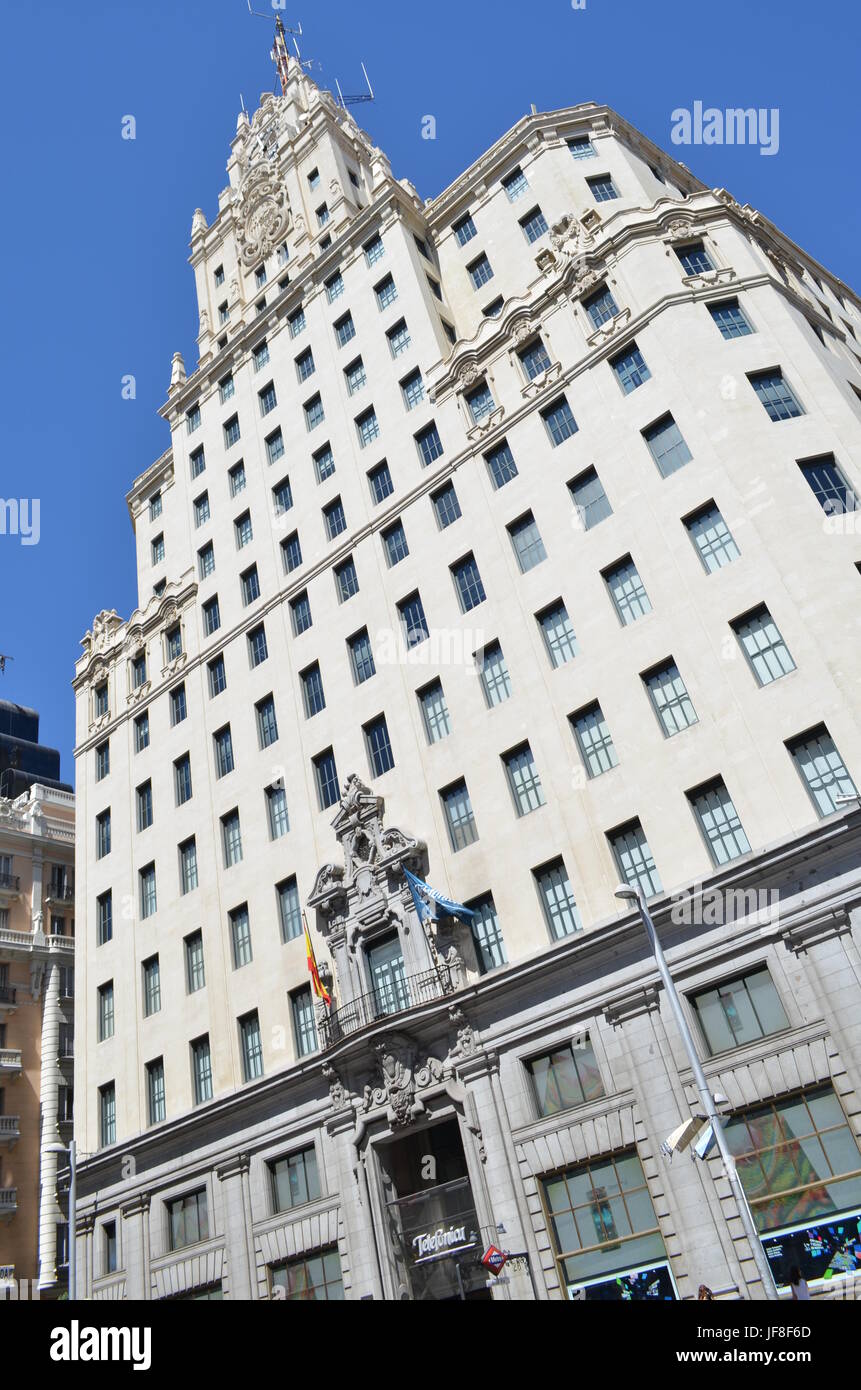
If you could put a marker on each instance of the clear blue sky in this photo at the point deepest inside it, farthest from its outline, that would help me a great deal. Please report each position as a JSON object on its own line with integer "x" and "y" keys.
{"x": 95, "y": 231}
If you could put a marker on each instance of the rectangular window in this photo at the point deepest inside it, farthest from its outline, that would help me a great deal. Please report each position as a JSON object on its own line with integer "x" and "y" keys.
{"x": 627, "y": 591}
{"x": 515, "y": 184}
{"x": 155, "y": 507}
{"x": 346, "y": 580}
{"x": 630, "y": 368}
{"x": 106, "y": 1011}
{"x": 398, "y": 338}
{"x": 211, "y": 616}
{"x": 603, "y": 188}
{"x": 670, "y": 699}
{"x": 694, "y": 258}
{"x": 775, "y": 394}
{"x": 143, "y": 797}
{"x": 558, "y": 634}
{"x": 345, "y": 330}
{"x": 258, "y": 649}
{"x": 304, "y": 1027}
{"x": 829, "y": 486}
{"x": 534, "y": 359}
{"x": 289, "y": 909}
{"x": 223, "y": 751}
{"x": 380, "y": 755}
{"x": 495, "y": 680}
{"x": 634, "y": 858}
{"x": 282, "y": 497}
{"x": 151, "y": 987}
{"x": 361, "y": 657}
{"x": 413, "y": 620}
{"x": 527, "y": 542}
{"x": 413, "y": 389}
{"x": 103, "y": 760}
{"x": 231, "y": 838}
{"x": 260, "y": 354}
{"x": 296, "y": 322}
{"x": 480, "y": 403}
{"x": 217, "y": 676}
{"x": 240, "y": 937}
{"x": 480, "y": 271}
{"x": 460, "y": 820}
{"x": 314, "y": 413}
{"x": 250, "y": 583}
{"x": 596, "y": 746}
{"x": 367, "y": 428}
{"x": 822, "y": 770}
{"x": 464, "y": 230}
{"x": 226, "y": 388}
{"x": 291, "y": 551}
{"x": 107, "y": 1115}
{"x": 275, "y": 446}
{"x": 326, "y": 777}
{"x": 501, "y": 465}
{"x": 565, "y": 1077}
{"x": 334, "y": 287}
{"x": 446, "y": 506}
{"x": 231, "y": 431}
{"x": 194, "y": 969}
{"x": 148, "y": 897}
{"x": 380, "y": 482}
{"x": 100, "y": 701}
{"x": 600, "y": 306}
{"x": 157, "y": 548}
{"x": 467, "y": 582}
{"x": 267, "y": 724}
{"x": 374, "y": 249}
{"x": 435, "y": 715}
{"x": 386, "y": 292}
{"x": 429, "y": 444}
{"x": 192, "y": 419}
{"x": 103, "y": 834}
{"x": 236, "y": 479}
{"x": 494, "y": 309}
{"x": 295, "y": 1180}
{"x": 589, "y": 499}
{"x": 312, "y": 691}
{"x": 323, "y": 215}
{"x": 739, "y": 1011}
{"x": 730, "y": 319}
{"x": 138, "y": 666}
{"x": 155, "y": 1091}
{"x": 559, "y": 422}
{"x": 523, "y": 779}
{"x": 557, "y": 900}
{"x": 395, "y": 544}
{"x": 763, "y": 645}
{"x": 300, "y": 611}
{"x": 206, "y": 561}
{"x": 104, "y": 918}
{"x": 533, "y": 225}
{"x": 201, "y": 1070}
{"x": 336, "y": 521}
{"x": 276, "y": 812}
{"x": 315, "y": 1276}
{"x": 581, "y": 147}
{"x": 487, "y": 934}
{"x": 667, "y": 445}
{"x": 178, "y": 705}
{"x": 188, "y": 1221}
{"x": 719, "y": 822}
{"x": 712, "y": 538}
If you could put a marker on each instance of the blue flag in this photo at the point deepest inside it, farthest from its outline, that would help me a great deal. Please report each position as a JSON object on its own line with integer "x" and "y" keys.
{"x": 429, "y": 903}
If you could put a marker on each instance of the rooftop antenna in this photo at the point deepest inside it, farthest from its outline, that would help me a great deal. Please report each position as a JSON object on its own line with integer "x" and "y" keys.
{"x": 356, "y": 100}
{"x": 280, "y": 54}
{"x": 3, "y": 660}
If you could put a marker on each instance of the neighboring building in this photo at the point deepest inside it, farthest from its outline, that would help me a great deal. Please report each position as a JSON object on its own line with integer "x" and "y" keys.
{"x": 529, "y": 509}
{"x": 37, "y": 985}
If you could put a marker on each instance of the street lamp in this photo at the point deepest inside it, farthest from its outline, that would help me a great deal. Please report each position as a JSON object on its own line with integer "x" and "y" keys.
{"x": 633, "y": 894}
{"x": 73, "y": 1174}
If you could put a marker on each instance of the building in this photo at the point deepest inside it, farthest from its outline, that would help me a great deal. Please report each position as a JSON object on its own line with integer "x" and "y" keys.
{"x": 37, "y": 985}
{"x": 507, "y": 538}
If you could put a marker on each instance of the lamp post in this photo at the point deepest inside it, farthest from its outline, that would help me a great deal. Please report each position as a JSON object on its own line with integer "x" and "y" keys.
{"x": 73, "y": 1174}
{"x": 632, "y": 894}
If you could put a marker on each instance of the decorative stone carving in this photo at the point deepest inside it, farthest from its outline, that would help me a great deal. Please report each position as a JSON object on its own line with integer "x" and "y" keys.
{"x": 262, "y": 213}
{"x": 565, "y": 235}
{"x": 105, "y": 624}
{"x": 338, "y": 1093}
{"x": 468, "y": 373}
{"x": 399, "y": 1079}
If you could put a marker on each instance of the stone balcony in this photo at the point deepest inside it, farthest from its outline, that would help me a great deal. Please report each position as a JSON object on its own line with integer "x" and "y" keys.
{"x": 8, "y": 999}
{"x": 10, "y": 1129}
{"x": 10, "y": 1061}
{"x": 10, "y": 887}
{"x": 8, "y": 1202}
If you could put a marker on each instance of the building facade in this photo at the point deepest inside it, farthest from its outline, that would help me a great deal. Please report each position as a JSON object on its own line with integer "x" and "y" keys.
{"x": 37, "y": 985}
{"x": 506, "y": 538}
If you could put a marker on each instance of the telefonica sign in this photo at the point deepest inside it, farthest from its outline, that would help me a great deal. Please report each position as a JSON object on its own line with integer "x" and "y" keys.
{"x": 434, "y": 1242}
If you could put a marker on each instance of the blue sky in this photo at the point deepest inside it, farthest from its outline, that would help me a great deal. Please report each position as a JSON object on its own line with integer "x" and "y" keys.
{"x": 95, "y": 236}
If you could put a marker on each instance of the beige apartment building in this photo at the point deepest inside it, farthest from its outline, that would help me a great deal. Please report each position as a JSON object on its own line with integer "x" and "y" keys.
{"x": 509, "y": 538}
{"x": 37, "y": 985}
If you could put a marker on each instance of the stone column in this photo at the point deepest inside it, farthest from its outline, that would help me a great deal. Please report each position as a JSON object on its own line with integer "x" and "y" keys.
{"x": 233, "y": 1176}
{"x": 135, "y": 1246}
{"x": 49, "y": 1207}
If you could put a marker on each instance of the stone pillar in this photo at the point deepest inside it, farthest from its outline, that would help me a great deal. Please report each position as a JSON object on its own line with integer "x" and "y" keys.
{"x": 49, "y": 1207}
{"x": 135, "y": 1246}
{"x": 233, "y": 1176}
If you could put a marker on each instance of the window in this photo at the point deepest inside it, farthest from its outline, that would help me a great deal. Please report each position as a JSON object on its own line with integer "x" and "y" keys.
{"x": 260, "y": 355}
{"x": 495, "y": 680}
{"x": 593, "y": 739}
{"x": 763, "y": 645}
{"x": 138, "y": 671}
{"x": 501, "y": 465}
{"x": 231, "y": 429}
{"x": 829, "y": 486}
{"x": 413, "y": 620}
{"x": 103, "y": 834}
{"x": 289, "y": 909}
{"x": 304, "y": 368}
{"x": 712, "y": 537}
{"x": 386, "y": 292}
{"x": 558, "y": 634}
{"x": 446, "y": 506}
{"x": 334, "y": 287}
{"x": 194, "y": 969}
{"x": 467, "y": 582}
{"x": 219, "y": 276}
{"x": 515, "y": 184}
{"x": 226, "y": 388}
{"x": 201, "y": 1070}
{"x": 634, "y": 858}
{"x": 155, "y": 1091}
{"x": 775, "y": 394}
{"x": 178, "y": 706}
{"x": 250, "y": 583}
{"x": 223, "y": 314}
{"x": 206, "y": 560}
{"x": 670, "y": 699}
{"x": 151, "y": 987}
{"x": 457, "y": 807}
{"x": 296, "y": 320}
{"x": 314, "y": 413}
{"x": 822, "y": 770}
{"x": 694, "y": 258}
{"x": 667, "y": 445}
{"x": 211, "y": 616}
{"x": 730, "y": 319}
{"x": 323, "y": 215}
{"x": 143, "y": 798}
{"x": 374, "y": 249}
{"x": 395, "y": 544}
{"x": 300, "y": 612}
{"x": 486, "y": 934}
{"x": 106, "y": 1011}
{"x": 107, "y": 1114}
{"x": 630, "y": 369}
{"x": 533, "y": 225}
{"x": 379, "y": 746}
{"x": 398, "y": 338}
{"x": 527, "y": 542}
{"x": 448, "y": 331}
{"x": 276, "y": 812}
{"x": 627, "y": 591}
{"x": 311, "y": 1277}
{"x": 380, "y": 482}
{"x": 557, "y": 900}
{"x": 236, "y": 479}
{"x": 104, "y": 918}
{"x": 361, "y": 657}
{"x": 480, "y": 271}
{"x": 718, "y": 820}
{"x": 565, "y": 1077}
{"x": 148, "y": 898}
{"x": 312, "y": 691}
{"x": 464, "y": 230}
{"x": 534, "y": 359}
{"x": 603, "y": 188}
{"x": 336, "y": 521}
{"x": 240, "y": 937}
{"x": 258, "y": 649}
{"x": 157, "y": 548}
{"x": 192, "y": 419}
{"x": 188, "y": 1221}
{"x": 275, "y": 446}
{"x": 231, "y": 837}
{"x": 103, "y": 760}
{"x": 368, "y": 427}
{"x": 260, "y": 276}
{"x": 413, "y": 389}
{"x": 590, "y": 499}
{"x": 739, "y": 1011}
{"x": 434, "y": 709}
{"x": 282, "y": 497}
{"x": 314, "y": 179}
{"x": 324, "y": 463}
{"x": 295, "y": 1180}
{"x": 326, "y": 777}
{"x": 355, "y": 376}
{"x": 223, "y": 751}
{"x": 429, "y": 444}
{"x": 480, "y": 403}
{"x": 494, "y": 309}
{"x": 292, "y": 552}
{"x": 581, "y": 147}
{"x": 346, "y": 580}
{"x": 523, "y": 780}
{"x": 559, "y": 422}
{"x": 345, "y": 330}
{"x": 101, "y": 706}
{"x": 217, "y": 676}
{"x": 601, "y": 307}
{"x": 304, "y": 1027}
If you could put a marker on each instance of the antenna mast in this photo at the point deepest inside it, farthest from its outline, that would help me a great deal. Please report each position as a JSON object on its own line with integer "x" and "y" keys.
{"x": 356, "y": 100}
{"x": 280, "y": 54}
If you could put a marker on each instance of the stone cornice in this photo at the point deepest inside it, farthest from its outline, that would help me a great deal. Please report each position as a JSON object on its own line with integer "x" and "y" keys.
{"x": 100, "y": 657}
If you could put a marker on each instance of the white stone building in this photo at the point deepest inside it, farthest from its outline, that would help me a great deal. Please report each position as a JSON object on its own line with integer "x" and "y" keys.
{"x": 529, "y": 509}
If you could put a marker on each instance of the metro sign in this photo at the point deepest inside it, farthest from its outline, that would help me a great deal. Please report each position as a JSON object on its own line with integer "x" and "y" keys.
{"x": 494, "y": 1259}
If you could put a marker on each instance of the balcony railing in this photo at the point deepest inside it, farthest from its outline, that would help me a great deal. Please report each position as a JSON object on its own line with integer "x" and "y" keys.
{"x": 8, "y": 1201}
{"x": 60, "y": 893}
{"x": 10, "y": 1059}
{"x": 7, "y": 994}
{"x": 10, "y": 1128}
{"x": 395, "y": 998}
{"x": 10, "y": 883}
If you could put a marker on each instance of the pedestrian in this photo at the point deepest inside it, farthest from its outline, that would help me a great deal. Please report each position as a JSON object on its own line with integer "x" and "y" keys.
{"x": 798, "y": 1284}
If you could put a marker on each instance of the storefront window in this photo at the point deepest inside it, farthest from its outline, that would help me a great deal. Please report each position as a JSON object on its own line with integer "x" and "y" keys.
{"x": 316, "y": 1277}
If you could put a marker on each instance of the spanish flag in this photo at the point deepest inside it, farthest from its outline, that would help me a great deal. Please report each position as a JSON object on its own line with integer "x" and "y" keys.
{"x": 316, "y": 983}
